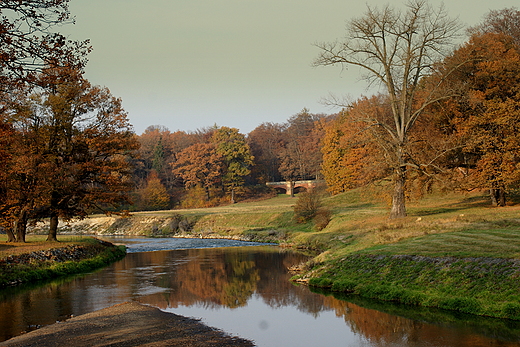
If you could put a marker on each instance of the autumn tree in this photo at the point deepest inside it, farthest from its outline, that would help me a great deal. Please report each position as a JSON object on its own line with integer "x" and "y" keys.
{"x": 28, "y": 46}
{"x": 486, "y": 117}
{"x": 351, "y": 155}
{"x": 154, "y": 195}
{"x": 395, "y": 49}
{"x": 200, "y": 165}
{"x": 233, "y": 148}
{"x": 300, "y": 156}
{"x": 28, "y": 43}
{"x": 74, "y": 142}
{"x": 266, "y": 141}
{"x": 505, "y": 21}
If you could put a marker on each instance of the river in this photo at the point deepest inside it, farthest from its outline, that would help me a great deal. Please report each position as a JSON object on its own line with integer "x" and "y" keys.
{"x": 244, "y": 289}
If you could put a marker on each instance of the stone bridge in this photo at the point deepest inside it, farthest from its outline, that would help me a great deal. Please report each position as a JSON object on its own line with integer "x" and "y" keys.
{"x": 292, "y": 187}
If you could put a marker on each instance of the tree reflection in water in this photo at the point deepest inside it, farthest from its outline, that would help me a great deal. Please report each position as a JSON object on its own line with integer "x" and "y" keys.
{"x": 231, "y": 282}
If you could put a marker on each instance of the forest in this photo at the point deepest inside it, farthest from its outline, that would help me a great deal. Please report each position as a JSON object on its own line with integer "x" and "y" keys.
{"x": 448, "y": 117}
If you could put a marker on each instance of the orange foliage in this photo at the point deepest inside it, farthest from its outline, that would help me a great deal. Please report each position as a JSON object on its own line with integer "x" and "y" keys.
{"x": 487, "y": 115}
{"x": 200, "y": 165}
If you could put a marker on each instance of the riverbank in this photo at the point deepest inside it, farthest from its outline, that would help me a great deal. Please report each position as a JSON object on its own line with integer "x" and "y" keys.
{"x": 127, "y": 324}
{"x": 442, "y": 234}
{"x": 37, "y": 260}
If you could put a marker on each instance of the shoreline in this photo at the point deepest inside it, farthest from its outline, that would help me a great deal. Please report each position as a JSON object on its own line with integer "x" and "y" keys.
{"x": 127, "y": 324}
{"x": 56, "y": 262}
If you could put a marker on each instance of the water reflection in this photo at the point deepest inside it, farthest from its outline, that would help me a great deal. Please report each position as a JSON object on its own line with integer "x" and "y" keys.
{"x": 245, "y": 291}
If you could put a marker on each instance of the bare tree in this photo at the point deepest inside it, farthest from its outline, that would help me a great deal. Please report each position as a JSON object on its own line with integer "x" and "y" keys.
{"x": 396, "y": 49}
{"x": 504, "y": 21}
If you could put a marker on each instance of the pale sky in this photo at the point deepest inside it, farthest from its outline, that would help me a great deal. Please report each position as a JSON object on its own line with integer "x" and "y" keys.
{"x": 189, "y": 64}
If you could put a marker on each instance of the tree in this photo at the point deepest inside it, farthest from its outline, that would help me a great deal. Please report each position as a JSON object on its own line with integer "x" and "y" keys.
{"x": 505, "y": 21}
{"x": 351, "y": 156}
{"x": 486, "y": 117}
{"x": 74, "y": 142}
{"x": 200, "y": 165}
{"x": 300, "y": 156}
{"x": 396, "y": 49}
{"x": 235, "y": 151}
{"x": 27, "y": 43}
{"x": 265, "y": 142}
{"x": 154, "y": 196}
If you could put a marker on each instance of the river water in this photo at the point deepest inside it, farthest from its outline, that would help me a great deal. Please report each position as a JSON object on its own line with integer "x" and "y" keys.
{"x": 244, "y": 289}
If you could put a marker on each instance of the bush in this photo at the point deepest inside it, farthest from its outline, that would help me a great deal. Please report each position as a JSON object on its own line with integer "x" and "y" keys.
{"x": 307, "y": 206}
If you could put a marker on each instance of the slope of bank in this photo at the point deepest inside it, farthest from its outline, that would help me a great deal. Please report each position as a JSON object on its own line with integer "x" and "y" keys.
{"x": 45, "y": 262}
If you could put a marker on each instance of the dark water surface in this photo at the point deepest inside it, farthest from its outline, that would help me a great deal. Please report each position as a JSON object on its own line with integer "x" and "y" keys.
{"x": 244, "y": 291}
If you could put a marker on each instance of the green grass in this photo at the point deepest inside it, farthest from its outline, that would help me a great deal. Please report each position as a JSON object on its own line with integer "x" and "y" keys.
{"x": 33, "y": 271}
{"x": 498, "y": 243}
{"x": 481, "y": 286}
{"x": 453, "y": 252}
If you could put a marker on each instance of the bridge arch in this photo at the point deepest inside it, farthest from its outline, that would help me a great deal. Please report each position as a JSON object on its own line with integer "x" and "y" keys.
{"x": 294, "y": 187}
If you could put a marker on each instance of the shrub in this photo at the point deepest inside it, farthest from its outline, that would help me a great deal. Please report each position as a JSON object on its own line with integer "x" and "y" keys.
{"x": 307, "y": 206}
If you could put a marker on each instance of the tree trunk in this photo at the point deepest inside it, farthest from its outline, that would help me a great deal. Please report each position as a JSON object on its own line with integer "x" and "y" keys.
{"x": 232, "y": 195}
{"x": 502, "y": 197}
{"x": 10, "y": 235}
{"x": 21, "y": 226}
{"x": 498, "y": 196}
{"x": 398, "y": 199}
{"x": 53, "y": 228}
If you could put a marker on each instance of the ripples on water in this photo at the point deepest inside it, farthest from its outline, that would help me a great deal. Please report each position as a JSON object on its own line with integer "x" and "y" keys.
{"x": 135, "y": 245}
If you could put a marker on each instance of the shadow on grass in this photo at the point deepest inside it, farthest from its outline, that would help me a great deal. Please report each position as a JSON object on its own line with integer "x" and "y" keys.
{"x": 432, "y": 211}
{"x": 481, "y": 201}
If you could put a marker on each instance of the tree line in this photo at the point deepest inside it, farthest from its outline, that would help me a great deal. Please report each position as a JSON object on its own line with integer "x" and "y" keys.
{"x": 218, "y": 164}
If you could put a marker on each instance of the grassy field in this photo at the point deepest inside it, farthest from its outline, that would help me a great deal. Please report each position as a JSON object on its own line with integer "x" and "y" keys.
{"x": 453, "y": 251}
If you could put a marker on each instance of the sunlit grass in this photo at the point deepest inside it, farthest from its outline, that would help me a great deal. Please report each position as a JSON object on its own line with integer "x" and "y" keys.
{"x": 35, "y": 243}
{"x": 498, "y": 243}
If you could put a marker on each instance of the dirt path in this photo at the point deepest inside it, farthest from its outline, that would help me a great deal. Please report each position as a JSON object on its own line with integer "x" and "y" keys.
{"x": 127, "y": 324}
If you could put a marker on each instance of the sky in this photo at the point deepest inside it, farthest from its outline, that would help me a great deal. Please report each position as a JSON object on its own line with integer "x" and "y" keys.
{"x": 191, "y": 64}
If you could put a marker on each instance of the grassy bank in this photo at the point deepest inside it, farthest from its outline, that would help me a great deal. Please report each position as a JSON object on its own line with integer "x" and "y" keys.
{"x": 38, "y": 260}
{"x": 453, "y": 251}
